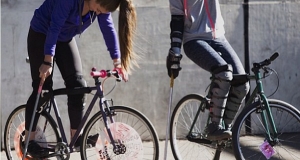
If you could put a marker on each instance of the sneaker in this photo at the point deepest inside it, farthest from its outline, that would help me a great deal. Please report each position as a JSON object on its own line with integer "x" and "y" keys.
{"x": 216, "y": 132}
{"x": 78, "y": 143}
{"x": 91, "y": 141}
{"x": 35, "y": 150}
{"x": 198, "y": 138}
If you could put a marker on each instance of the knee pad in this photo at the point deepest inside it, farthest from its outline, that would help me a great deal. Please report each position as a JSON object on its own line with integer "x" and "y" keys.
{"x": 221, "y": 81}
{"x": 75, "y": 100}
{"x": 223, "y": 72}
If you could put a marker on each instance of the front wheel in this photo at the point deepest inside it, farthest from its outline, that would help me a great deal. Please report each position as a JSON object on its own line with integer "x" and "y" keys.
{"x": 249, "y": 133}
{"x": 14, "y": 133}
{"x": 134, "y": 136}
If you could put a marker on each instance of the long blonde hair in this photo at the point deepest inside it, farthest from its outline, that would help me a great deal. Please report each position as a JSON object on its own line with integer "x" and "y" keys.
{"x": 127, "y": 27}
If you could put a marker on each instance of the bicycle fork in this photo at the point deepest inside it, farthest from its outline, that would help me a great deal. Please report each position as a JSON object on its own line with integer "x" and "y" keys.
{"x": 107, "y": 115}
{"x": 266, "y": 115}
{"x": 268, "y": 121}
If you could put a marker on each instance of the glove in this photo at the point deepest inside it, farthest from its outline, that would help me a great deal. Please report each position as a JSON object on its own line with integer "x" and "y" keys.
{"x": 173, "y": 63}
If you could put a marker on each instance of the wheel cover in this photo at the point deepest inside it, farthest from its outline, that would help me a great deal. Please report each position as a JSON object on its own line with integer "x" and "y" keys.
{"x": 127, "y": 136}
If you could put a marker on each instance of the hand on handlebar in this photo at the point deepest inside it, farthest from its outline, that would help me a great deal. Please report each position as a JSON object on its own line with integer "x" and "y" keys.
{"x": 118, "y": 73}
{"x": 122, "y": 72}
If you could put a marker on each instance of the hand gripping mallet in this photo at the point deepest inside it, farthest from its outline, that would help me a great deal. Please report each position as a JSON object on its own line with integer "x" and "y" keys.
{"x": 169, "y": 113}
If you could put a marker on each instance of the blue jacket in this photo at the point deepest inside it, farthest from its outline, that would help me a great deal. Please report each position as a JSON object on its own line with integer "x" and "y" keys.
{"x": 60, "y": 21}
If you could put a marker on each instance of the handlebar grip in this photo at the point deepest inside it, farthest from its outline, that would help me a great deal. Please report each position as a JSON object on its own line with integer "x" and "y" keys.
{"x": 274, "y": 56}
{"x": 101, "y": 73}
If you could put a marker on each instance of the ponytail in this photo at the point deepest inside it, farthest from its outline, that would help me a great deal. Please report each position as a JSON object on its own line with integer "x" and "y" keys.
{"x": 127, "y": 27}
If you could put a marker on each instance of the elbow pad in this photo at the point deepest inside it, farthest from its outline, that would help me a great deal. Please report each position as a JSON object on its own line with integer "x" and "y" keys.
{"x": 177, "y": 27}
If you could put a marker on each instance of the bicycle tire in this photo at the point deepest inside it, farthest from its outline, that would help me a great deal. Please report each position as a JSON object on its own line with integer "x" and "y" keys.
{"x": 287, "y": 121}
{"x": 142, "y": 138}
{"x": 14, "y": 133}
{"x": 182, "y": 117}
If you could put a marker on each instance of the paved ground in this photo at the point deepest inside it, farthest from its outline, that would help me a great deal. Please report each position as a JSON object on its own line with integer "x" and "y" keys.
{"x": 76, "y": 156}
{"x": 226, "y": 154}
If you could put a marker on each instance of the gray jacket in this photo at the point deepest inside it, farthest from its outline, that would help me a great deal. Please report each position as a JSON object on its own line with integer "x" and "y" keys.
{"x": 203, "y": 19}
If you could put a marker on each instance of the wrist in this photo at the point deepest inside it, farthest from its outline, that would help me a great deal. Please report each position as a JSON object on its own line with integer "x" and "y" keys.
{"x": 117, "y": 63}
{"x": 48, "y": 58}
{"x": 48, "y": 63}
{"x": 176, "y": 50}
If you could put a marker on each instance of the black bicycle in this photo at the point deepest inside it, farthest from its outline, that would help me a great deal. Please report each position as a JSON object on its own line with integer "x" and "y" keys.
{"x": 264, "y": 129}
{"x": 114, "y": 132}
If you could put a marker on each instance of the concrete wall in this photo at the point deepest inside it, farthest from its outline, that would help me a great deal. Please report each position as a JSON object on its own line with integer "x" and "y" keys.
{"x": 274, "y": 26}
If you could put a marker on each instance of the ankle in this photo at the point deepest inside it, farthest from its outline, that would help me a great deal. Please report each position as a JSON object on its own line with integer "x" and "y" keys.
{"x": 216, "y": 123}
{"x": 228, "y": 126}
{"x": 31, "y": 136}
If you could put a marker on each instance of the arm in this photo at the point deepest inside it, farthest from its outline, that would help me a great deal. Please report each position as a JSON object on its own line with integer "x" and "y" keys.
{"x": 176, "y": 35}
{"x": 59, "y": 15}
{"x": 177, "y": 27}
{"x": 111, "y": 40}
{"x": 176, "y": 24}
{"x": 110, "y": 35}
{"x": 60, "y": 12}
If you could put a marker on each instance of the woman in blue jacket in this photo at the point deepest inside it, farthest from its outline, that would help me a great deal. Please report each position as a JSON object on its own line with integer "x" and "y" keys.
{"x": 51, "y": 39}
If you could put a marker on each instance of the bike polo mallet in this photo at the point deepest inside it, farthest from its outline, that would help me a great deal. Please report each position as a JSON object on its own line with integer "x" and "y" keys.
{"x": 169, "y": 113}
{"x": 33, "y": 115}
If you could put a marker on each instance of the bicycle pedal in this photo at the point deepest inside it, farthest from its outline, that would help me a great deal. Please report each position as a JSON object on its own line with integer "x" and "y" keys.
{"x": 224, "y": 140}
{"x": 199, "y": 140}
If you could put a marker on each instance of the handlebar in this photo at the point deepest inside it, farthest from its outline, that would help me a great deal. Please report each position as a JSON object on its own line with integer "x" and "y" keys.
{"x": 105, "y": 73}
{"x": 266, "y": 62}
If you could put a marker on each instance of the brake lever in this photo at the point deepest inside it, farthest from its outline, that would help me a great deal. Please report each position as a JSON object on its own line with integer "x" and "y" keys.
{"x": 267, "y": 71}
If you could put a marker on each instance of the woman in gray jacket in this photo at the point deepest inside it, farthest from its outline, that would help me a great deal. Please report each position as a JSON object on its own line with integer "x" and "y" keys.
{"x": 199, "y": 26}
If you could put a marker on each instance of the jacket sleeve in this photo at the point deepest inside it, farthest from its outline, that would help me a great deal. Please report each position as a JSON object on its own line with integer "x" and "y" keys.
{"x": 176, "y": 23}
{"x": 176, "y": 7}
{"x": 109, "y": 34}
{"x": 60, "y": 13}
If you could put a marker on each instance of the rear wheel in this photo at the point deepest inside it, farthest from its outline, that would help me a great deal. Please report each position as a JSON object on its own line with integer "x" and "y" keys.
{"x": 133, "y": 133}
{"x": 249, "y": 133}
{"x": 14, "y": 133}
{"x": 187, "y": 143}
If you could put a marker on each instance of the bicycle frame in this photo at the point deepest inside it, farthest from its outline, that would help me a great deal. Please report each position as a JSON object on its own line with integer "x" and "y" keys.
{"x": 104, "y": 106}
{"x": 264, "y": 109}
{"x": 257, "y": 94}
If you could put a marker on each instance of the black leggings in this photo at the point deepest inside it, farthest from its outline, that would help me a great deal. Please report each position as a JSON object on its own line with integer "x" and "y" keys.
{"x": 68, "y": 61}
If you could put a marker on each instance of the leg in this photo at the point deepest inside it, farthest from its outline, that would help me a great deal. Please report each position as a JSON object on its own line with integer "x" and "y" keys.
{"x": 69, "y": 64}
{"x": 219, "y": 90}
{"x": 235, "y": 99}
{"x": 35, "y": 46}
{"x": 238, "y": 92}
{"x": 204, "y": 55}
{"x": 222, "y": 46}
